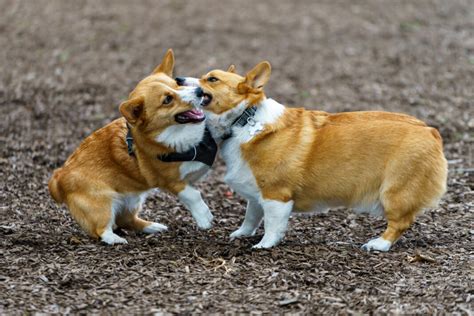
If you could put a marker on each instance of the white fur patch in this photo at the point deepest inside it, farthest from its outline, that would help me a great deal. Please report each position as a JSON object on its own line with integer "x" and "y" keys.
{"x": 121, "y": 203}
{"x": 188, "y": 94}
{"x": 191, "y": 82}
{"x": 276, "y": 215}
{"x": 378, "y": 244}
{"x": 132, "y": 201}
{"x": 253, "y": 219}
{"x": 109, "y": 237}
{"x": 238, "y": 175}
{"x": 220, "y": 124}
{"x": 126, "y": 203}
{"x": 154, "y": 228}
{"x": 191, "y": 171}
{"x": 374, "y": 209}
{"x": 268, "y": 112}
{"x": 182, "y": 137}
{"x": 320, "y": 208}
{"x": 191, "y": 198}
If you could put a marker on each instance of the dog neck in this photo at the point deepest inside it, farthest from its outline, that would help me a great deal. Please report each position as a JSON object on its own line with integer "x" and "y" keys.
{"x": 143, "y": 147}
{"x": 224, "y": 125}
{"x": 204, "y": 151}
{"x": 183, "y": 137}
{"x": 221, "y": 124}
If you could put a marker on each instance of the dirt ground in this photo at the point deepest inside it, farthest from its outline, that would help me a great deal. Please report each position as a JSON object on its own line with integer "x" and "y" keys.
{"x": 66, "y": 66}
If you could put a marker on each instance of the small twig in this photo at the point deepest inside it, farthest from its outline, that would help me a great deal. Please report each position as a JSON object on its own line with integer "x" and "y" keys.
{"x": 222, "y": 262}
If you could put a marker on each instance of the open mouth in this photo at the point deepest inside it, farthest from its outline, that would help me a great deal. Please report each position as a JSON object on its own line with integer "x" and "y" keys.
{"x": 191, "y": 116}
{"x": 206, "y": 99}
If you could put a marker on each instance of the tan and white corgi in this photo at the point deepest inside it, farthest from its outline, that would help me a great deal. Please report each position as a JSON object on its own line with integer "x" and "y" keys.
{"x": 105, "y": 181}
{"x": 283, "y": 159}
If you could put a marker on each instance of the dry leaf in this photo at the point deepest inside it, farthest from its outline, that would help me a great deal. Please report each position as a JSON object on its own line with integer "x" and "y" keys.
{"x": 418, "y": 257}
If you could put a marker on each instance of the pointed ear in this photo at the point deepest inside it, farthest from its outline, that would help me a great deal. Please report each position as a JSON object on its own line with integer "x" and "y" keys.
{"x": 132, "y": 109}
{"x": 167, "y": 64}
{"x": 231, "y": 69}
{"x": 259, "y": 75}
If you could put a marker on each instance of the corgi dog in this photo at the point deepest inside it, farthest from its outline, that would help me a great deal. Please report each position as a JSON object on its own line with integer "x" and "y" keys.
{"x": 154, "y": 145}
{"x": 291, "y": 159}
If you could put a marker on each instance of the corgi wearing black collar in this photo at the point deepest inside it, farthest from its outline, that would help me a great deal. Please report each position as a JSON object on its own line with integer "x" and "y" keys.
{"x": 287, "y": 159}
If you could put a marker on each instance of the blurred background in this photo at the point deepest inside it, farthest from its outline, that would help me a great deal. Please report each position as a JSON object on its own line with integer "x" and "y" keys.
{"x": 66, "y": 66}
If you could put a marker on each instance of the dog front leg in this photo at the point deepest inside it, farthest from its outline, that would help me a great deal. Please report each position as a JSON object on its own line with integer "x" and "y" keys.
{"x": 253, "y": 218}
{"x": 276, "y": 215}
{"x": 192, "y": 200}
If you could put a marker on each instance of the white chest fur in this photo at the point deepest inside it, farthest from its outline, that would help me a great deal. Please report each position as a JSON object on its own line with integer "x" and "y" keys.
{"x": 239, "y": 176}
{"x": 182, "y": 137}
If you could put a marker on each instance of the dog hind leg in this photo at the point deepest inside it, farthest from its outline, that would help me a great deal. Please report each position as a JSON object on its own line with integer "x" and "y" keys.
{"x": 95, "y": 214}
{"x": 276, "y": 215}
{"x": 129, "y": 220}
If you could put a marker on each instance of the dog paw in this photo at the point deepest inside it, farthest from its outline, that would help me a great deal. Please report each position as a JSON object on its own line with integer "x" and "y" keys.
{"x": 203, "y": 219}
{"x": 262, "y": 245}
{"x": 154, "y": 228}
{"x": 266, "y": 244}
{"x": 110, "y": 238}
{"x": 241, "y": 233}
{"x": 377, "y": 244}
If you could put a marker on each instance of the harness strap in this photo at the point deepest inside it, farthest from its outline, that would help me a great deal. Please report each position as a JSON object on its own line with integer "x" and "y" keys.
{"x": 204, "y": 152}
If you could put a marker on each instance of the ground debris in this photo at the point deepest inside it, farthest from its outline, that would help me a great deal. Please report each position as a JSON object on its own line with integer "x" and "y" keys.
{"x": 418, "y": 257}
{"x": 69, "y": 64}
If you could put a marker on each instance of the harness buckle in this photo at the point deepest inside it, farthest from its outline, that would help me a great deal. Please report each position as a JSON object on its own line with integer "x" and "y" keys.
{"x": 251, "y": 121}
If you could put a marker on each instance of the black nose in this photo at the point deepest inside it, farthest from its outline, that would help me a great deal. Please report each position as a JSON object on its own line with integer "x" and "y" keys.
{"x": 180, "y": 81}
{"x": 199, "y": 92}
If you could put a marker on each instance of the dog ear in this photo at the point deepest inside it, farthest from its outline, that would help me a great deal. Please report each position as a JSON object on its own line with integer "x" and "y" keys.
{"x": 231, "y": 69}
{"x": 132, "y": 109}
{"x": 167, "y": 64}
{"x": 256, "y": 78}
{"x": 259, "y": 75}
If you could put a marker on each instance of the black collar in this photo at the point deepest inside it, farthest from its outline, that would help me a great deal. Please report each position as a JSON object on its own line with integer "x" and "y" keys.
{"x": 204, "y": 152}
{"x": 242, "y": 120}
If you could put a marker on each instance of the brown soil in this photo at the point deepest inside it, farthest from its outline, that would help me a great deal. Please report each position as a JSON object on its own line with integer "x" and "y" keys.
{"x": 66, "y": 65}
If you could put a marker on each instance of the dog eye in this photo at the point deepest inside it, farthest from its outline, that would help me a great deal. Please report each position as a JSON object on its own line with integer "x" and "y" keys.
{"x": 168, "y": 99}
{"x": 212, "y": 79}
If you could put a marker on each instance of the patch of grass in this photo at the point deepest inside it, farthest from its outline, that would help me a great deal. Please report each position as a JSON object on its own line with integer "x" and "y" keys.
{"x": 471, "y": 60}
{"x": 410, "y": 26}
{"x": 305, "y": 94}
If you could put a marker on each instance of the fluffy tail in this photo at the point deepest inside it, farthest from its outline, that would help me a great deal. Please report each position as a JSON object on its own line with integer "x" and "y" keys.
{"x": 55, "y": 188}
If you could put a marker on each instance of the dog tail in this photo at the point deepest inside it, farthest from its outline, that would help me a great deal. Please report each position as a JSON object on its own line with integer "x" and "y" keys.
{"x": 55, "y": 187}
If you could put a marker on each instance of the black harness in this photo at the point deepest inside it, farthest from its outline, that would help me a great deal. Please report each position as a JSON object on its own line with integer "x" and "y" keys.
{"x": 204, "y": 152}
{"x": 242, "y": 120}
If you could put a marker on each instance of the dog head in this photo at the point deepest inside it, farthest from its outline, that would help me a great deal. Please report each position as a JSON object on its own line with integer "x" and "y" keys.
{"x": 220, "y": 91}
{"x": 157, "y": 106}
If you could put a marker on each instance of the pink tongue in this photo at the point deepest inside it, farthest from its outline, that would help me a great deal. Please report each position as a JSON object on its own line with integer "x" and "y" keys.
{"x": 195, "y": 113}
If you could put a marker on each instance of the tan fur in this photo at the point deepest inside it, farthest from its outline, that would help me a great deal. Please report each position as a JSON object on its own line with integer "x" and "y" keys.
{"x": 101, "y": 167}
{"x": 347, "y": 158}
